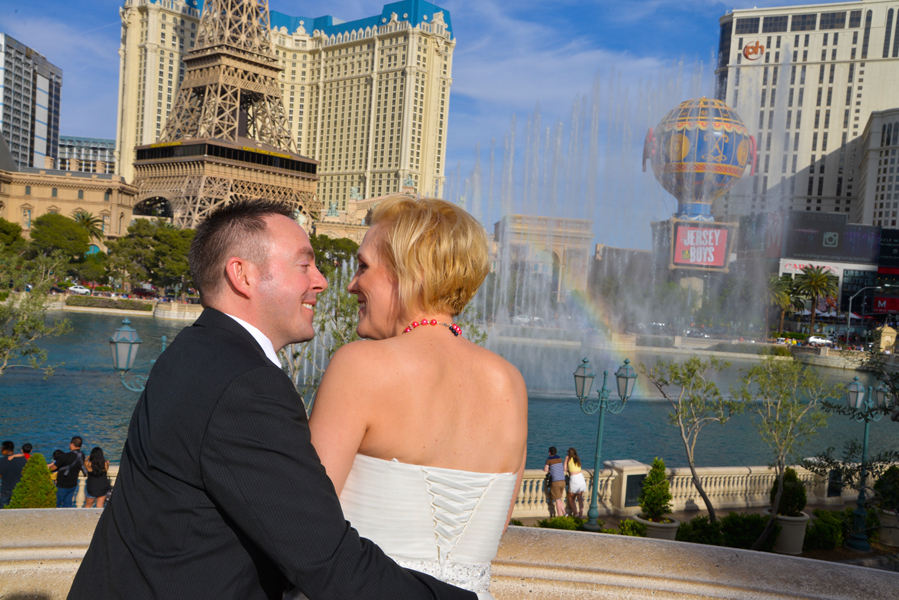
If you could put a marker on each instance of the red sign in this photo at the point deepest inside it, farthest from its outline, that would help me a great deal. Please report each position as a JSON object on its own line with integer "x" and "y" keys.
{"x": 883, "y": 304}
{"x": 700, "y": 246}
{"x": 753, "y": 51}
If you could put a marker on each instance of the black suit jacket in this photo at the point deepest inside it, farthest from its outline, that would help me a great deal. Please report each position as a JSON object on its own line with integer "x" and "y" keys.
{"x": 221, "y": 495}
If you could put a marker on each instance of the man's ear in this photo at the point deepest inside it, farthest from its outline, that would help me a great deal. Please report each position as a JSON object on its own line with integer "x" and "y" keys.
{"x": 241, "y": 276}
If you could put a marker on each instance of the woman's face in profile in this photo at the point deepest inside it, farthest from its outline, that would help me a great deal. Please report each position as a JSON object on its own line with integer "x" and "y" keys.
{"x": 375, "y": 290}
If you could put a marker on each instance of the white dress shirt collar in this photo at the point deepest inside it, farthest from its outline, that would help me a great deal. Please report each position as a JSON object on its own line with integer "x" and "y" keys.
{"x": 267, "y": 347}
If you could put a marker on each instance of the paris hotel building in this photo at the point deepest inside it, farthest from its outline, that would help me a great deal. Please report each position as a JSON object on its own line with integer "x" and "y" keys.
{"x": 368, "y": 98}
{"x": 806, "y": 81}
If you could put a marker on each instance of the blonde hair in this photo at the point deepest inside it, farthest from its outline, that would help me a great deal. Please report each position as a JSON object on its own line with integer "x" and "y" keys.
{"x": 436, "y": 252}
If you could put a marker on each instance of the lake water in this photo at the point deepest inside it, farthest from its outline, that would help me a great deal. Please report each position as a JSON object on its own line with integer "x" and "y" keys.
{"x": 85, "y": 397}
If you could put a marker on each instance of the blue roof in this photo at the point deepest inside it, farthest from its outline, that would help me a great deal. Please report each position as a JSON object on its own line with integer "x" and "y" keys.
{"x": 416, "y": 9}
{"x": 419, "y": 12}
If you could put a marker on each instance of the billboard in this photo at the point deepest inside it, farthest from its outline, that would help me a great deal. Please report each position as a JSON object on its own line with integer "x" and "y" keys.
{"x": 889, "y": 249}
{"x": 699, "y": 245}
{"x": 885, "y": 304}
{"x": 824, "y": 236}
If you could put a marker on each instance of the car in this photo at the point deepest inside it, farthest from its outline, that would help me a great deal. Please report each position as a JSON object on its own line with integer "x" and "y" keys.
{"x": 143, "y": 293}
{"x": 696, "y": 333}
{"x": 814, "y": 340}
{"x": 79, "y": 289}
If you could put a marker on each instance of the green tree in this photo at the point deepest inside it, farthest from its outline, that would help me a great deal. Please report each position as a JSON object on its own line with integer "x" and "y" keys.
{"x": 91, "y": 224}
{"x": 132, "y": 257}
{"x": 813, "y": 283}
{"x": 169, "y": 266}
{"x": 330, "y": 253}
{"x": 35, "y": 489}
{"x": 23, "y": 316}
{"x": 11, "y": 239}
{"x": 655, "y": 496}
{"x": 698, "y": 402}
{"x": 791, "y": 301}
{"x": 55, "y": 232}
{"x": 92, "y": 267}
{"x": 784, "y": 398}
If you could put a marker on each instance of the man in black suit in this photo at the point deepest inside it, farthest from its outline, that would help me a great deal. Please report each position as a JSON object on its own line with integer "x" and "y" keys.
{"x": 220, "y": 493}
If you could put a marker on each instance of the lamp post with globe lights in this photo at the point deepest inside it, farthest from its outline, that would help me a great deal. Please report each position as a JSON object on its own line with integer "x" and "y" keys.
{"x": 583, "y": 381}
{"x": 124, "y": 344}
{"x": 863, "y": 405}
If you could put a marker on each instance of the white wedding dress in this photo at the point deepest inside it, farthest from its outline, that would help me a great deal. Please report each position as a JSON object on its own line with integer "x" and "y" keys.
{"x": 443, "y": 522}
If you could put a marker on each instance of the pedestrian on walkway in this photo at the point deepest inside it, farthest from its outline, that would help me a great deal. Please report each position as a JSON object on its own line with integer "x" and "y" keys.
{"x": 67, "y": 468}
{"x": 556, "y": 469}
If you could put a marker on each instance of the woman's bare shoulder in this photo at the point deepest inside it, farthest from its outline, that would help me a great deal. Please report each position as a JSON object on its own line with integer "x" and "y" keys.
{"x": 501, "y": 371}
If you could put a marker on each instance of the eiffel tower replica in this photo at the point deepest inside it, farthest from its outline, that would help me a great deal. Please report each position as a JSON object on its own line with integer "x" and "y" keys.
{"x": 226, "y": 138}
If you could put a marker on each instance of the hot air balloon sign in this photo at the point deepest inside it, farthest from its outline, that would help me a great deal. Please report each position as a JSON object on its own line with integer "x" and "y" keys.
{"x": 698, "y": 152}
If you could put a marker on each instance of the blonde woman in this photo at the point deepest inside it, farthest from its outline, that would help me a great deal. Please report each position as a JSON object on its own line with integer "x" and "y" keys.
{"x": 577, "y": 485}
{"x": 423, "y": 432}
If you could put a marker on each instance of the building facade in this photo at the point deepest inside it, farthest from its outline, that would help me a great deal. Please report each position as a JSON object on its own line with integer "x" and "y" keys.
{"x": 29, "y": 104}
{"x": 27, "y": 193}
{"x": 806, "y": 79}
{"x": 86, "y": 155}
{"x": 878, "y": 182}
{"x": 369, "y": 98}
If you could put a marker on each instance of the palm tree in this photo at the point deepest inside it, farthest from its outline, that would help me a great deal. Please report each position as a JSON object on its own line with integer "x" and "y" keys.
{"x": 93, "y": 225}
{"x": 813, "y": 283}
{"x": 777, "y": 293}
{"x": 791, "y": 301}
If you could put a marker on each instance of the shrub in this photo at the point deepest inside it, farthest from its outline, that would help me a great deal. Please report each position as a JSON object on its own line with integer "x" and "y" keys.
{"x": 95, "y": 302}
{"x": 775, "y": 351}
{"x": 887, "y": 489}
{"x": 872, "y": 523}
{"x": 825, "y": 532}
{"x": 741, "y": 530}
{"x": 516, "y": 522}
{"x": 103, "y": 288}
{"x": 567, "y": 523}
{"x": 793, "y": 336}
{"x": 655, "y": 497}
{"x": 793, "y": 499}
{"x": 631, "y": 528}
{"x": 35, "y": 489}
{"x": 700, "y": 530}
{"x": 654, "y": 341}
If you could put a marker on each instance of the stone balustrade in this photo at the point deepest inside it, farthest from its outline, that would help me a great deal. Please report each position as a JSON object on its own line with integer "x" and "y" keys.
{"x": 727, "y": 487}
{"x": 40, "y": 551}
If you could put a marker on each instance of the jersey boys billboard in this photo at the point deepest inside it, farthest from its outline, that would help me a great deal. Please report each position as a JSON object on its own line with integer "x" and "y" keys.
{"x": 700, "y": 246}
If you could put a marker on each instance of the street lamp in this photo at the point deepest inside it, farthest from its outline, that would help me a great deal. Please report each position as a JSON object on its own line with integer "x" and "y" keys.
{"x": 879, "y": 288}
{"x": 583, "y": 381}
{"x": 124, "y": 344}
{"x": 864, "y": 405}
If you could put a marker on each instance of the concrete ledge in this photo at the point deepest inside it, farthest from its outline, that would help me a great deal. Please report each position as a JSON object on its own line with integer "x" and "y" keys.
{"x": 543, "y": 563}
{"x": 176, "y": 311}
{"x": 40, "y": 551}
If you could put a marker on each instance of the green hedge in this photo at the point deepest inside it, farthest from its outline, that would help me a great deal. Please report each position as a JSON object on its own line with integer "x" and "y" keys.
{"x": 655, "y": 341}
{"x": 97, "y": 302}
{"x": 792, "y": 336}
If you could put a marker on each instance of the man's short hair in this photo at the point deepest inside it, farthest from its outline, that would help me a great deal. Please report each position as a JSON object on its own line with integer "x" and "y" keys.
{"x": 77, "y": 441}
{"x": 27, "y": 448}
{"x": 236, "y": 229}
{"x": 7, "y": 446}
{"x": 552, "y": 450}
{"x": 435, "y": 251}
{"x": 57, "y": 454}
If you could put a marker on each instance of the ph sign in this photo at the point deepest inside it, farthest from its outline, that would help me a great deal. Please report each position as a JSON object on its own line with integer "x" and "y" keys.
{"x": 753, "y": 51}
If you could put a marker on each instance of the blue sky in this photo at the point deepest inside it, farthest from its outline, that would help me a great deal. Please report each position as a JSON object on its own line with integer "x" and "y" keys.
{"x": 510, "y": 58}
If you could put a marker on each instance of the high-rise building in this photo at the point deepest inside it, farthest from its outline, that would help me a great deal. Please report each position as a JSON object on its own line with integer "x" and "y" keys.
{"x": 878, "y": 181}
{"x": 86, "y": 155}
{"x": 368, "y": 98}
{"x": 805, "y": 80}
{"x": 29, "y": 104}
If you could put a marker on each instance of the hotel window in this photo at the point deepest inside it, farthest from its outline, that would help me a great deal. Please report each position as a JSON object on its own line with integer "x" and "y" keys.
{"x": 27, "y": 190}
{"x": 26, "y": 218}
{"x": 750, "y": 25}
{"x": 868, "y": 18}
{"x": 834, "y": 20}
{"x": 53, "y": 193}
{"x": 775, "y": 24}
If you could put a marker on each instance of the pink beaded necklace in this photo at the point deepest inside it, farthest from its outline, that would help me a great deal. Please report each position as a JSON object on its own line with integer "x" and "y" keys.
{"x": 451, "y": 326}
